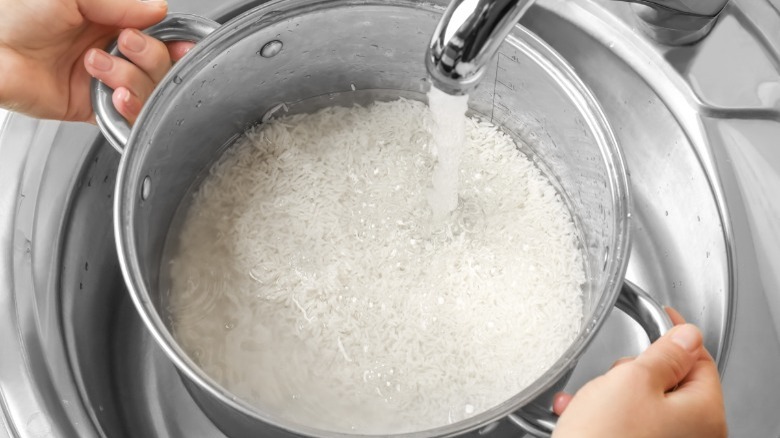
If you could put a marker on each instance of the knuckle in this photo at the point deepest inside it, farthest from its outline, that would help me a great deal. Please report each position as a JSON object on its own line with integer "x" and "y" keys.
{"x": 122, "y": 17}
{"x": 621, "y": 361}
{"x": 156, "y": 46}
{"x": 640, "y": 373}
{"x": 660, "y": 365}
{"x": 129, "y": 77}
{"x": 675, "y": 363}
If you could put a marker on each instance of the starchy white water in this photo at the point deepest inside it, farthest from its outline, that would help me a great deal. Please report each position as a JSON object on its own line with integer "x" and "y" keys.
{"x": 311, "y": 280}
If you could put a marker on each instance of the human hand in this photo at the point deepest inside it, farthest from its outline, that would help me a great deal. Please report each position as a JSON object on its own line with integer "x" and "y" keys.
{"x": 133, "y": 79}
{"x": 44, "y": 45}
{"x": 670, "y": 390}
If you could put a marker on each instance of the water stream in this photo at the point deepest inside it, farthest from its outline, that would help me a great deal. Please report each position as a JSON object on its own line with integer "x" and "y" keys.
{"x": 448, "y": 132}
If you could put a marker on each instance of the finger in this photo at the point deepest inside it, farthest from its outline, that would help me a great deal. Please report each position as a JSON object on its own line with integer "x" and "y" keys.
{"x": 123, "y": 13}
{"x": 701, "y": 387}
{"x": 128, "y": 105}
{"x": 677, "y": 319}
{"x": 177, "y": 49}
{"x": 622, "y": 361}
{"x": 669, "y": 359}
{"x": 561, "y": 401}
{"x": 704, "y": 370}
{"x": 116, "y": 72}
{"x": 149, "y": 54}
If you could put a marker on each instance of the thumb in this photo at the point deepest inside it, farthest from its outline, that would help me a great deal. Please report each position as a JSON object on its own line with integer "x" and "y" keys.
{"x": 672, "y": 356}
{"x": 124, "y": 13}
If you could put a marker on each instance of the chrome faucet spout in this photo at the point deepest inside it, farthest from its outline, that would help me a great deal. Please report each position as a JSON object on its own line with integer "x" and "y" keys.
{"x": 467, "y": 37}
{"x": 470, "y": 32}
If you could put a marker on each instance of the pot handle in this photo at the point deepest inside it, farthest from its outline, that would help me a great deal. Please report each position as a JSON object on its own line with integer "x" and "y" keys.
{"x": 634, "y": 302}
{"x": 174, "y": 27}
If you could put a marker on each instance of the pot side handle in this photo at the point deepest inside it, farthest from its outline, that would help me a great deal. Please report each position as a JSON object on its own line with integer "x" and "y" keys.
{"x": 634, "y": 302}
{"x": 174, "y": 27}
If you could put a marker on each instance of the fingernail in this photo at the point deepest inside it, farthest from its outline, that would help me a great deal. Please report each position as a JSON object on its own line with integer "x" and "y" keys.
{"x": 134, "y": 41}
{"x": 123, "y": 95}
{"x": 99, "y": 60}
{"x": 687, "y": 336}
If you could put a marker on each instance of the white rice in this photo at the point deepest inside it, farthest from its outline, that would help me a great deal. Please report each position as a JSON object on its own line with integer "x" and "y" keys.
{"x": 310, "y": 280}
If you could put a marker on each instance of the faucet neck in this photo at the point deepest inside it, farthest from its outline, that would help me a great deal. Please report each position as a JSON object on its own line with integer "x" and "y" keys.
{"x": 467, "y": 37}
{"x": 471, "y": 31}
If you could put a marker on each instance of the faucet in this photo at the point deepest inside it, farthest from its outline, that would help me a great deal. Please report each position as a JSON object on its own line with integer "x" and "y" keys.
{"x": 471, "y": 31}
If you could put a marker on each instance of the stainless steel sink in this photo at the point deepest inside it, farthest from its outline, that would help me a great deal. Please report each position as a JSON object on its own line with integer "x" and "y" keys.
{"x": 682, "y": 242}
{"x": 78, "y": 362}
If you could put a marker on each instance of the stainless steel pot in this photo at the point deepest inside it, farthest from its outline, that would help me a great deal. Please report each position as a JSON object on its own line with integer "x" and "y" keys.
{"x": 308, "y": 54}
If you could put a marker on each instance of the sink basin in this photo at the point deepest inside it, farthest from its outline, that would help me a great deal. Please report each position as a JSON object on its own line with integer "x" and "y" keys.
{"x": 89, "y": 368}
{"x": 682, "y": 252}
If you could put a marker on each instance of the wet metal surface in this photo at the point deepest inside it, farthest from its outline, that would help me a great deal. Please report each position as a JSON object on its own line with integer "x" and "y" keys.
{"x": 700, "y": 135}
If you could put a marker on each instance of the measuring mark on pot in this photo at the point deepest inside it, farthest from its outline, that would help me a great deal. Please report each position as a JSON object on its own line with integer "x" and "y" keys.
{"x": 271, "y": 49}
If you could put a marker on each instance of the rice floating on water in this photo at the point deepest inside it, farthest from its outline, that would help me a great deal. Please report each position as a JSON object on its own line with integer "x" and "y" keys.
{"x": 311, "y": 280}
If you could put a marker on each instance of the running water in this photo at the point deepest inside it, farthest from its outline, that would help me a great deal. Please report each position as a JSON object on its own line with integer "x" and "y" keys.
{"x": 449, "y": 135}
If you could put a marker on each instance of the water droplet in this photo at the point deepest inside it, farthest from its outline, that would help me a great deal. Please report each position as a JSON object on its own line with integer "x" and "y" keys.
{"x": 177, "y": 79}
{"x": 146, "y": 188}
{"x": 271, "y": 49}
